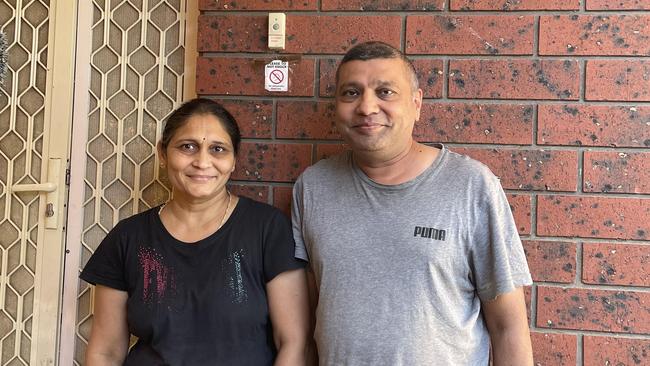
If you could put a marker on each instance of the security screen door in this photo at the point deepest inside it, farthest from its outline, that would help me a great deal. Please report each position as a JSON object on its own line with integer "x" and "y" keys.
{"x": 137, "y": 74}
{"x": 88, "y": 85}
{"x": 35, "y": 124}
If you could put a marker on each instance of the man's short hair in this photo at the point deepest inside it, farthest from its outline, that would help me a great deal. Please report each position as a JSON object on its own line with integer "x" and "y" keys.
{"x": 377, "y": 50}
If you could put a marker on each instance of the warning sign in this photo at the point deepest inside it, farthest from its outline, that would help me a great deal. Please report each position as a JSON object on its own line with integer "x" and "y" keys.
{"x": 276, "y": 76}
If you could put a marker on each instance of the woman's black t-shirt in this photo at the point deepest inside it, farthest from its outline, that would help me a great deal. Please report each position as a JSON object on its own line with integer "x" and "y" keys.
{"x": 202, "y": 303}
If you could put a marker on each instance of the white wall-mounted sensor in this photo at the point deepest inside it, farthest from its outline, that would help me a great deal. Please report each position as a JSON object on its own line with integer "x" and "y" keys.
{"x": 277, "y": 29}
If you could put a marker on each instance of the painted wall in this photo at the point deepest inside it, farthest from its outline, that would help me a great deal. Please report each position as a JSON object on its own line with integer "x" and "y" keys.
{"x": 551, "y": 94}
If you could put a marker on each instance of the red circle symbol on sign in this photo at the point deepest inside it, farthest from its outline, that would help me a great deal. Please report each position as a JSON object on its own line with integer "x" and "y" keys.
{"x": 276, "y": 76}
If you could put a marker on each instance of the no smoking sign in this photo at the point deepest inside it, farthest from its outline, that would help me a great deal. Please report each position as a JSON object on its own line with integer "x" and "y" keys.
{"x": 276, "y": 76}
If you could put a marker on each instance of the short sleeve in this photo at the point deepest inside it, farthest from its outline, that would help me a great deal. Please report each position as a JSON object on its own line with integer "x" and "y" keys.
{"x": 106, "y": 266}
{"x": 297, "y": 216}
{"x": 498, "y": 260}
{"x": 279, "y": 247}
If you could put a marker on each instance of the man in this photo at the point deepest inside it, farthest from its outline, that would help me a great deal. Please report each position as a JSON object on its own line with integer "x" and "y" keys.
{"x": 413, "y": 251}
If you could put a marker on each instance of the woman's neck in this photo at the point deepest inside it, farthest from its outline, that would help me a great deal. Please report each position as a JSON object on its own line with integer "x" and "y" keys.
{"x": 190, "y": 221}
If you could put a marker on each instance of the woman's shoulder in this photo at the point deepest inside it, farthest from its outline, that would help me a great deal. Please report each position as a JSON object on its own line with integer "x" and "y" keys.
{"x": 139, "y": 220}
{"x": 257, "y": 208}
{"x": 252, "y": 213}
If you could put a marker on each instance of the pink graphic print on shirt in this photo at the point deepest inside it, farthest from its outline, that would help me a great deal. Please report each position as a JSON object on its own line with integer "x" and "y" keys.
{"x": 159, "y": 280}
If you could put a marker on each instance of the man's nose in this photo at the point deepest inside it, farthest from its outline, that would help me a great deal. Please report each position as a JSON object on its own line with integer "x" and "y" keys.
{"x": 367, "y": 104}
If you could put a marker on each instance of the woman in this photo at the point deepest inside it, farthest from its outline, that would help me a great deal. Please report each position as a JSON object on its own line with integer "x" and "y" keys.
{"x": 206, "y": 279}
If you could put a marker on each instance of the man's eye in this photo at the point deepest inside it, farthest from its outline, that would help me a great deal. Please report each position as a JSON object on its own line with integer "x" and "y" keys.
{"x": 350, "y": 93}
{"x": 386, "y": 92}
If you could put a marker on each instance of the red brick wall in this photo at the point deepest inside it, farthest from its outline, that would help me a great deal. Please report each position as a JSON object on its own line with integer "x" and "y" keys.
{"x": 551, "y": 94}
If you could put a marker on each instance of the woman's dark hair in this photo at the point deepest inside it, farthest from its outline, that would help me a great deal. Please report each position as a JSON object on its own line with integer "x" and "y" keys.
{"x": 200, "y": 106}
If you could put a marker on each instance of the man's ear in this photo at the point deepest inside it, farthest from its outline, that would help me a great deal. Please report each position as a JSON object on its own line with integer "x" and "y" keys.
{"x": 417, "y": 99}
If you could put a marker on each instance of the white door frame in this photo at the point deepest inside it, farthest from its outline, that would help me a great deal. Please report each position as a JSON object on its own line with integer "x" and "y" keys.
{"x": 77, "y": 172}
{"x": 58, "y": 117}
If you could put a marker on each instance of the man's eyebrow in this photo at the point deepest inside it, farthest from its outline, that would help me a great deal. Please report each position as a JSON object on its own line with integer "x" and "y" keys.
{"x": 385, "y": 83}
{"x": 374, "y": 84}
{"x": 348, "y": 83}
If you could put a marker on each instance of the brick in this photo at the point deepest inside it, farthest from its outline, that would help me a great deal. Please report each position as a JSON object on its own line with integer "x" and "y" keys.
{"x": 232, "y": 33}
{"x": 621, "y": 35}
{"x": 609, "y": 171}
{"x": 272, "y": 162}
{"x": 282, "y": 199}
{"x": 245, "y": 76}
{"x": 616, "y": 351}
{"x": 475, "y": 123}
{"x": 529, "y": 169}
{"x": 591, "y": 125}
{"x": 552, "y": 349}
{"x": 618, "y": 4}
{"x": 307, "y": 120}
{"x": 304, "y": 33}
{"x": 470, "y": 35}
{"x": 254, "y": 117}
{"x": 254, "y": 192}
{"x": 331, "y": 34}
{"x": 616, "y": 264}
{"x": 597, "y": 310}
{"x": 323, "y": 151}
{"x": 593, "y": 217}
{"x": 520, "y": 205}
{"x": 618, "y": 80}
{"x": 327, "y": 77}
{"x": 551, "y": 261}
{"x": 429, "y": 73}
{"x": 235, "y": 5}
{"x": 514, "y": 79}
{"x": 382, "y": 5}
{"x": 509, "y": 5}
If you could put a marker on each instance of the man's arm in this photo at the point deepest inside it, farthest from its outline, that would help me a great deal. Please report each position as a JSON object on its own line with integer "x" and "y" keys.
{"x": 312, "y": 351}
{"x": 507, "y": 323}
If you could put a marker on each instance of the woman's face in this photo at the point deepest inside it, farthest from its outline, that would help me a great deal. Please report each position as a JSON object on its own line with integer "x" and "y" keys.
{"x": 199, "y": 159}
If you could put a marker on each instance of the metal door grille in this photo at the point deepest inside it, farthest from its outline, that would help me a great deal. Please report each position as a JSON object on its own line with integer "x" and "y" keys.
{"x": 137, "y": 65}
{"x": 22, "y": 108}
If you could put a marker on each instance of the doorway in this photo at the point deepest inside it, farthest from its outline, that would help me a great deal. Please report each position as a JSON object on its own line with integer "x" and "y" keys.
{"x": 88, "y": 87}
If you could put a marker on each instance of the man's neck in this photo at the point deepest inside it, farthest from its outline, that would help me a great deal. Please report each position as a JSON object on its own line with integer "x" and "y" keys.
{"x": 398, "y": 168}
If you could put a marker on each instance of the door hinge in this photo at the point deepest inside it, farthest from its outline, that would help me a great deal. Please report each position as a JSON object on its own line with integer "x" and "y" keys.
{"x": 67, "y": 177}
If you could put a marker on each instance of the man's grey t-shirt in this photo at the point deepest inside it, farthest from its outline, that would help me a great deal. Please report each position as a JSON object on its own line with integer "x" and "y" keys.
{"x": 402, "y": 269}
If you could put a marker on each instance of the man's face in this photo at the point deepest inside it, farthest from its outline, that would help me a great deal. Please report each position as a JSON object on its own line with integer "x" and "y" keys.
{"x": 376, "y": 106}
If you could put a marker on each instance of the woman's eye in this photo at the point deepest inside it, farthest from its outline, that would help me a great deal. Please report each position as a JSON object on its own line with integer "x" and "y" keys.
{"x": 188, "y": 147}
{"x": 218, "y": 149}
